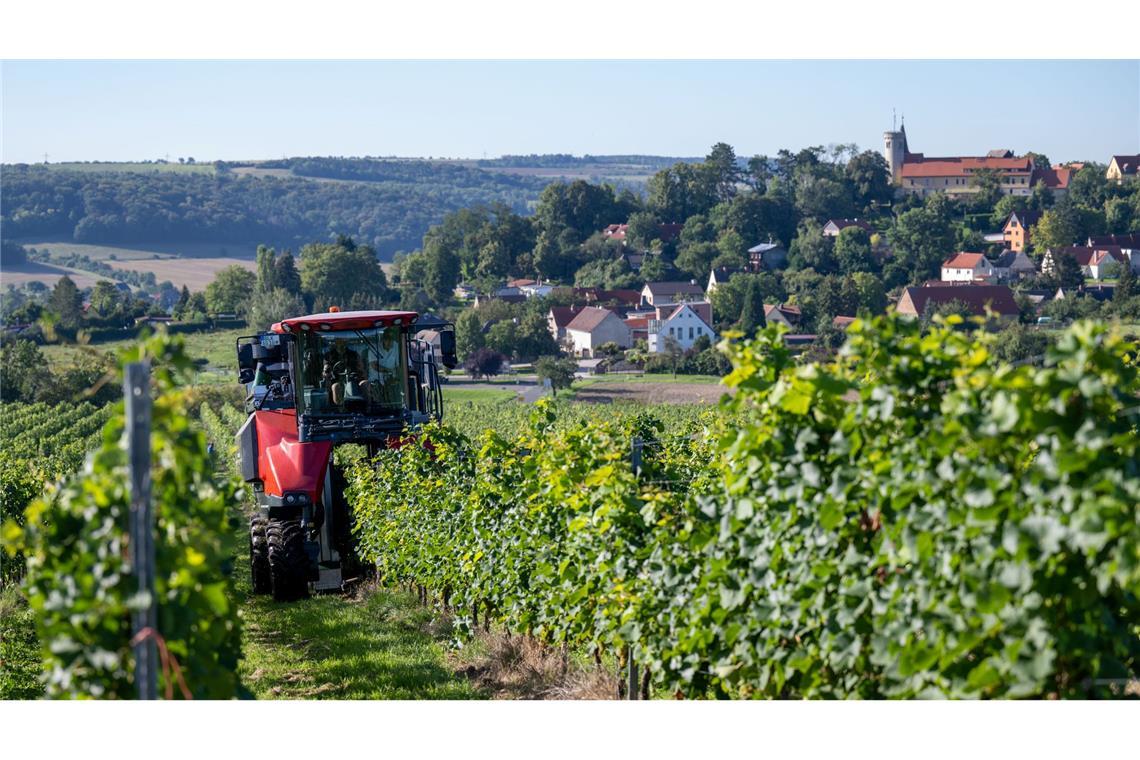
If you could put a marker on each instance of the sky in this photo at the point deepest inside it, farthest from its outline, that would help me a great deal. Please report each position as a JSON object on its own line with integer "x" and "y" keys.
{"x": 234, "y": 110}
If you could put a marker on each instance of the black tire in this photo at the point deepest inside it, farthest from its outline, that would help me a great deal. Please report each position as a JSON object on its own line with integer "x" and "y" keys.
{"x": 259, "y": 555}
{"x": 288, "y": 563}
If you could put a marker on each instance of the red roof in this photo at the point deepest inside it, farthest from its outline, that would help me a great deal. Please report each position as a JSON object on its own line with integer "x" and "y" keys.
{"x": 975, "y": 297}
{"x": 964, "y": 260}
{"x": 960, "y": 166}
{"x": 637, "y": 323}
{"x": 1094, "y": 255}
{"x": 588, "y": 320}
{"x": 346, "y": 320}
{"x": 1055, "y": 177}
{"x": 564, "y": 315}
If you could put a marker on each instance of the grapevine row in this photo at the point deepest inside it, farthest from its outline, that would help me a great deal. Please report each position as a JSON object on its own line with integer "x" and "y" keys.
{"x": 911, "y": 519}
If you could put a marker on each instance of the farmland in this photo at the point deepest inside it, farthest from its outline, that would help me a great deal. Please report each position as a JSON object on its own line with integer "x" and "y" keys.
{"x": 758, "y": 548}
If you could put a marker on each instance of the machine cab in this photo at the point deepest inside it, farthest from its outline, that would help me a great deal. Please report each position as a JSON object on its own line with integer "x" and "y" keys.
{"x": 349, "y": 376}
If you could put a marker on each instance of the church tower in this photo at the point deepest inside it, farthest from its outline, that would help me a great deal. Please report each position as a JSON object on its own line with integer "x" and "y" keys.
{"x": 895, "y": 150}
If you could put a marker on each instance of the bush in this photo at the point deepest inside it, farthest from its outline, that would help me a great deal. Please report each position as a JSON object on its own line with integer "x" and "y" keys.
{"x": 76, "y": 539}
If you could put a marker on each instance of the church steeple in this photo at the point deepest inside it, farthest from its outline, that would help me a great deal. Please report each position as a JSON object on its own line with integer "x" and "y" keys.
{"x": 895, "y": 148}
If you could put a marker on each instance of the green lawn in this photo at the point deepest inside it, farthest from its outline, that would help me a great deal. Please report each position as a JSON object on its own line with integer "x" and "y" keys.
{"x": 457, "y": 394}
{"x": 663, "y": 378}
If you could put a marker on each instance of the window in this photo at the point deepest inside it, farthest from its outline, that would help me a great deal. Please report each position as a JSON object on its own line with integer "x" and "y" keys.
{"x": 690, "y": 333}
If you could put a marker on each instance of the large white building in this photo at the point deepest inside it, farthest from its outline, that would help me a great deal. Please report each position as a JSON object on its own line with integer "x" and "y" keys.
{"x": 684, "y": 324}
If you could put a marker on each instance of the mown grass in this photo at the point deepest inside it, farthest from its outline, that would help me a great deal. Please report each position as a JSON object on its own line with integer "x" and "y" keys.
{"x": 649, "y": 378}
{"x": 20, "y": 664}
{"x": 378, "y": 645}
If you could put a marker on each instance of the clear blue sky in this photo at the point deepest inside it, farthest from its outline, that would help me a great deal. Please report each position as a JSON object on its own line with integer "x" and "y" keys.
{"x": 131, "y": 110}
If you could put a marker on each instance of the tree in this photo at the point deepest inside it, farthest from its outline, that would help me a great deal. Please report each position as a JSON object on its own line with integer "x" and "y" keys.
{"x": 870, "y": 179}
{"x": 560, "y": 372}
{"x": 723, "y": 171}
{"x": 340, "y": 274}
{"x": 870, "y": 294}
{"x": 1055, "y": 229}
{"x": 987, "y": 184}
{"x": 468, "y": 333}
{"x": 269, "y": 306}
{"x": 25, "y": 372}
{"x": 853, "y": 251}
{"x": 1125, "y": 284}
{"x": 66, "y": 303}
{"x": 484, "y": 362}
{"x": 823, "y": 198}
{"x": 811, "y": 249}
{"x": 696, "y": 259}
{"x": 921, "y": 239}
{"x": 106, "y": 299}
{"x": 285, "y": 274}
{"x": 654, "y": 268}
{"x": 752, "y": 310}
{"x": 230, "y": 291}
{"x": 266, "y": 269}
{"x": 644, "y": 228}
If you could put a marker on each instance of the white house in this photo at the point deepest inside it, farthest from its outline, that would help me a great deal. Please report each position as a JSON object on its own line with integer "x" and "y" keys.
{"x": 967, "y": 267}
{"x": 683, "y": 323}
{"x": 835, "y": 226}
{"x": 1097, "y": 262}
{"x": 594, "y": 326}
{"x": 719, "y": 276}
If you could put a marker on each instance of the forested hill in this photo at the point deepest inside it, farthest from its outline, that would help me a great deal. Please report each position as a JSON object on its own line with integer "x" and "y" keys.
{"x": 388, "y": 204}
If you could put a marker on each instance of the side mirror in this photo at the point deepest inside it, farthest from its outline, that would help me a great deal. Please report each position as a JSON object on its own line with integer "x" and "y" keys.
{"x": 447, "y": 348}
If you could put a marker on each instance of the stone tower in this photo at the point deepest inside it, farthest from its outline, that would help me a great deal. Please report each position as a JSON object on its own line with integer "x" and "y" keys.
{"x": 895, "y": 150}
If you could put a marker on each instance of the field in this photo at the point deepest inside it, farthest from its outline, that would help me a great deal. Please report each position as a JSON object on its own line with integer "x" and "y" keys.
{"x": 831, "y": 531}
{"x": 145, "y": 251}
{"x": 128, "y": 166}
{"x": 48, "y": 274}
{"x": 195, "y": 274}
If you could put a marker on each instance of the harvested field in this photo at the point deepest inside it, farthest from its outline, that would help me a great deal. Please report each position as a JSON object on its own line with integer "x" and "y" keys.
{"x": 196, "y": 274}
{"x": 47, "y": 274}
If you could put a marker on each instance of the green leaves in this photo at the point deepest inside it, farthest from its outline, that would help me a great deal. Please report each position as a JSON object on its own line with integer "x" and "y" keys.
{"x": 913, "y": 519}
{"x": 79, "y": 582}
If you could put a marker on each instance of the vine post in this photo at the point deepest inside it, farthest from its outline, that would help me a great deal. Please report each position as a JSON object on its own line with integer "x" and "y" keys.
{"x": 136, "y": 389}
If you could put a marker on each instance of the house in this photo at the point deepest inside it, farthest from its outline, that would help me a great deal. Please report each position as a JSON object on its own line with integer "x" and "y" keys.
{"x": 967, "y": 267}
{"x": 999, "y": 298}
{"x": 655, "y": 293}
{"x": 530, "y": 288}
{"x": 1056, "y": 178}
{"x": 788, "y": 316}
{"x": 767, "y": 256}
{"x": 464, "y": 292}
{"x": 1015, "y": 231}
{"x": 638, "y": 328}
{"x": 1013, "y": 265}
{"x": 619, "y": 299}
{"x": 719, "y": 276}
{"x": 681, "y": 324}
{"x": 594, "y": 326}
{"x": 1097, "y": 262}
{"x": 842, "y": 322}
{"x": 560, "y": 316}
{"x": 1096, "y": 292}
{"x": 1122, "y": 167}
{"x": 1129, "y": 246}
{"x": 835, "y": 226}
{"x": 922, "y": 175}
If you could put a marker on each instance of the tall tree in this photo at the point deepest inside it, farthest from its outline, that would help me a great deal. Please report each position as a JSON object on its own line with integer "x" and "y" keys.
{"x": 266, "y": 269}
{"x": 336, "y": 274}
{"x": 230, "y": 291}
{"x": 67, "y": 303}
{"x": 870, "y": 179}
{"x": 752, "y": 309}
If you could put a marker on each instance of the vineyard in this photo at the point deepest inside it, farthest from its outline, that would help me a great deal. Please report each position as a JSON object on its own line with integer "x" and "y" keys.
{"x": 911, "y": 519}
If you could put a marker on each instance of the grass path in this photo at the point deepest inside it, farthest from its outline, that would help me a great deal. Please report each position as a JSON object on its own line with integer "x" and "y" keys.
{"x": 378, "y": 645}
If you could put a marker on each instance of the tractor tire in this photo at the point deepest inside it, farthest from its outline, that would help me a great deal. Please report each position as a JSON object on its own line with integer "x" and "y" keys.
{"x": 288, "y": 563}
{"x": 259, "y": 555}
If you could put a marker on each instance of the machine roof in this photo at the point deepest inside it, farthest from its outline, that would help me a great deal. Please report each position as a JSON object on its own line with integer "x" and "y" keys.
{"x": 345, "y": 320}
